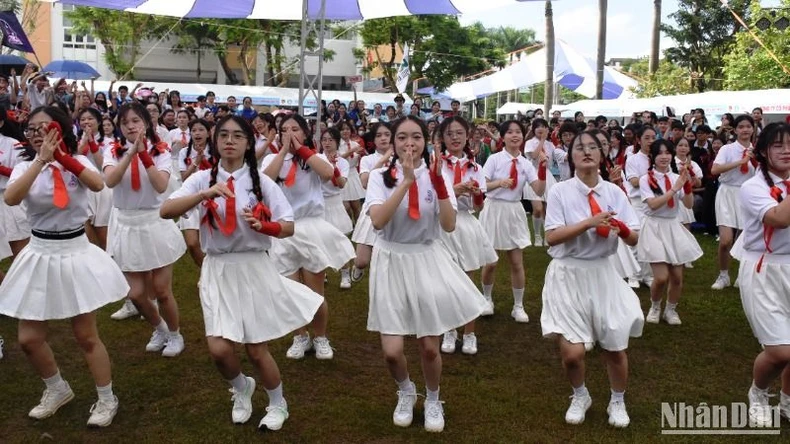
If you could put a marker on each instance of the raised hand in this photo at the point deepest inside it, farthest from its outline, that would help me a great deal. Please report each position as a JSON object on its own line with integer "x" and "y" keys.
{"x": 604, "y": 218}
{"x": 220, "y": 189}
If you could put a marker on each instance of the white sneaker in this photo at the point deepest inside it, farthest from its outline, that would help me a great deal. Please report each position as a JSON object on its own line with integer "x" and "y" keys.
{"x": 300, "y": 345}
{"x": 126, "y": 311}
{"x": 784, "y": 407}
{"x": 275, "y": 417}
{"x": 448, "y": 344}
{"x": 103, "y": 412}
{"x": 519, "y": 314}
{"x": 672, "y": 318}
{"x": 538, "y": 241}
{"x": 242, "y": 402}
{"x": 174, "y": 345}
{"x": 157, "y": 342}
{"x": 356, "y": 274}
{"x": 618, "y": 416}
{"x": 760, "y": 412}
{"x": 322, "y": 348}
{"x": 345, "y": 279}
{"x": 654, "y": 315}
{"x": 721, "y": 282}
{"x": 404, "y": 411}
{"x": 648, "y": 281}
{"x": 689, "y": 265}
{"x": 633, "y": 282}
{"x": 1, "y": 347}
{"x": 51, "y": 401}
{"x": 434, "y": 416}
{"x": 470, "y": 344}
{"x": 578, "y": 409}
{"x": 489, "y": 310}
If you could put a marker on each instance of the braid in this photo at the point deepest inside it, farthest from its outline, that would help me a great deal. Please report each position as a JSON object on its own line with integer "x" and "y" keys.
{"x": 653, "y": 183}
{"x": 211, "y": 183}
{"x": 252, "y": 162}
{"x": 606, "y": 165}
{"x": 389, "y": 173}
{"x": 673, "y": 165}
{"x": 189, "y": 148}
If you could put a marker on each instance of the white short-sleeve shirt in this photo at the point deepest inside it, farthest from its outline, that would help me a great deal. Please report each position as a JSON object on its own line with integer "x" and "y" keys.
{"x": 645, "y": 192}
{"x": 305, "y": 196}
{"x": 756, "y": 200}
{"x": 183, "y": 163}
{"x": 243, "y": 237}
{"x": 532, "y": 146}
{"x": 146, "y": 198}
{"x": 636, "y": 166}
{"x": 178, "y": 135}
{"x": 345, "y": 147}
{"x": 367, "y": 163}
{"x": 694, "y": 167}
{"x": 498, "y": 167}
{"x": 9, "y": 157}
{"x": 733, "y": 152}
{"x": 42, "y": 213}
{"x": 568, "y": 203}
{"x": 402, "y": 228}
{"x": 469, "y": 171}
{"x": 328, "y": 188}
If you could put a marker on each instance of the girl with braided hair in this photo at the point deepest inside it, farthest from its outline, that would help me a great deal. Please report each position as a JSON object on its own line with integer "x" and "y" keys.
{"x": 197, "y": 156}
{"x": 765, "y": 269}
{"x": 636, "y": 165}
{"x": 100, "y": 206}
{"x": 334, "y": 211}
{"x": 664, "y": 242}
{"x": 244, "y": 299}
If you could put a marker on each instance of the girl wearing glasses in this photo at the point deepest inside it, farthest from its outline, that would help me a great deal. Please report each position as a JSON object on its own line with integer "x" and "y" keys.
{"x": 197, "y": 156}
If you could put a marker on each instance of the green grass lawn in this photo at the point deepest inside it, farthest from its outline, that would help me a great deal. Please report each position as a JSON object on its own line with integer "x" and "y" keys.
{"x": 512, "y": 391}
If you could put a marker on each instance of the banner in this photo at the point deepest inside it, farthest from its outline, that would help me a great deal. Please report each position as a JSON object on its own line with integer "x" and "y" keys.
{"x": 13, "y": 36}
{"x": 404, "y": 71}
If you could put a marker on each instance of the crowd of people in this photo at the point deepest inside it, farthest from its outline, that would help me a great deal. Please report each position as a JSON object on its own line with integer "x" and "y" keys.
{"x": 421, "y": 200}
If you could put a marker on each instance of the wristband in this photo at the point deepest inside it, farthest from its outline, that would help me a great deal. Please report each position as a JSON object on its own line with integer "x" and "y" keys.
{"x": 305, "y": 153}
{"x": 336, "y": 175}
{"x": 272, "y": 229}
{"x": 542, "y": 171}
{"x": 145, "y": 157}
{"x": 93, "y": 146}
{"x": 438, "y": 184}
{"x": 71, "y": 164}
{"x": 623, "y": 230}
{"x": 5, "y": 171}
{"x": 477, "y": 198}
{"x": 687, "y": 187}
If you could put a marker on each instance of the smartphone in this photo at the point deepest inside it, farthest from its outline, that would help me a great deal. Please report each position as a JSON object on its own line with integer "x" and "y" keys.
{"x": 670, "y": 112}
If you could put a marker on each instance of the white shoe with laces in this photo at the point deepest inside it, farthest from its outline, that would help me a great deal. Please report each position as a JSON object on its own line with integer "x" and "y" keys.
{"x": 760, "y": 411}
{"x": 654, "y": 315}
{"x": 275, "y": 417}
{"x": 489, "y": 310}
{"x": 174, "y": 345}
{"x": 470, "y": 344}
{"x": 784, "y": 407}
{"x": 103, "y": 412}
{"x": 242, "y": 402}
{"x": 51, "y": 401}
{"x": 434, "y": 416}
{"x": 356, "y": 274}
{"x": 519, "y": 314}
{"x": 578, "y": 409}
{"x": 126, "y": 311}
{"x": 301, "y": 344}
{"x": 618, "y": 416}
{"x": 671, "y": 317}
{"x": 1, "y": 347}
{"x": 322, "y": 348}
{"x": 448, "y": 343}
{"x": 404, "y": 410}
{"x": 157, "y": 342}
{"x": 633, "y": 282}
{"x": 345, "y": 279}
{"x": 721, "y": 282}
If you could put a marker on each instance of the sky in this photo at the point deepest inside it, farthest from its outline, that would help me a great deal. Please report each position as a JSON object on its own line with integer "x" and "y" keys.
{"x": 576, "y": 22}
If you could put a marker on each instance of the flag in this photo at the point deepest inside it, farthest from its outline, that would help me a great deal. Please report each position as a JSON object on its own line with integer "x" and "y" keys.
{"x": 13, "y": 36}
{"x": 404, "y": 71}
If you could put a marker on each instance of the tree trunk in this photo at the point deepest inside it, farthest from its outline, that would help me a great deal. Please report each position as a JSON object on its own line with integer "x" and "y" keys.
{"x": 269, "y": 64}
{"x": 603, "y": 6}
{"x": 655, "y": 39}
{"x": 548, "y": 97}
{"x": 230, "y": 76}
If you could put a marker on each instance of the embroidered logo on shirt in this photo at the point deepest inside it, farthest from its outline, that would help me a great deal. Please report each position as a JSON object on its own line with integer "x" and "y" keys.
{"x": 429, "y": 196}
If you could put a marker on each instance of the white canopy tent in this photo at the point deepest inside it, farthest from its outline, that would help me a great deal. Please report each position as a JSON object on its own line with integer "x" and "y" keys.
{"x": 515, "y": 108}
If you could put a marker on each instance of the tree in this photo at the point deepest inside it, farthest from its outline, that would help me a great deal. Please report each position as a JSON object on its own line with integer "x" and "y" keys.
{"x": 705, "y": 32}
{"x": 548, "y": 99}
{"x": 669, "y": 79}
{"x": 655, "y": 37}
{"x": 749, "y": 65}
{"x": 603, "y": 5}
{"x": 512, "y": 40}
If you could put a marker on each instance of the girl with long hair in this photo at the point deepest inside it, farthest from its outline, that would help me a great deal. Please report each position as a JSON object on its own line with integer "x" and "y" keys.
{"x": 197, "y": 156}
{"x": 100, "y": 203}
{"x": 636, "y": 166}
{"x": 13, "y": 219}
{"x": 540, "y": 143}
{"x": 334, "y": 211}
{"x": 353, "y": 152}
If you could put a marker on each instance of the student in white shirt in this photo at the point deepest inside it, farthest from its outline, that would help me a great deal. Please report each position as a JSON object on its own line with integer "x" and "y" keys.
{"x": 535, "y": 146}
{"x": 55, "y": 187}
{"x": 334, "y": 211}
{"x": 584, "y": 300}
{"x": 364, "y": 234}
{"x": 14, "y": 219}
{"x": 468, "y": 244}
{"x": 244, "y": 299}
{"x": 415, "y": 287}
{"x": 100, "y": 203}
{"x": 196, "y": 156}
{"x": 350, "y": 150}
{"x": 682, "y": 157}
{"x": 765, "y": 269}
{"x": 144, "y": 245}
{"x": 735, "y": 165}
{"x": 503, "y": 217}
{"x": 663, "y": 241}
{"x": 155, "y": 111}
{"x": 178, "y": 138}
{"x": 316, "y": 245}
{"x": 636, "y": 166}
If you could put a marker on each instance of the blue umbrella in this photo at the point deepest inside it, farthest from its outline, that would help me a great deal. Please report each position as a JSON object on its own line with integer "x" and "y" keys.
{"x": 8, "y": 61}
{"x": 71, "y": 69}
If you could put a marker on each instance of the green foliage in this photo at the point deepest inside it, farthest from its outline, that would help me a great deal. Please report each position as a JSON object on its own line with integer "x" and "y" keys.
{"x": 669, "y": 79}
{"x": 749, "y": 66}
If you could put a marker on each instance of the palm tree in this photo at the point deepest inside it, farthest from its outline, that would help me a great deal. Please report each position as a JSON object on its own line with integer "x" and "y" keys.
{"x": 548, "y": 95}
{"x": 656, "y": 36}
{"x": 599, "y": 65}
{"x": 510, "y": 40}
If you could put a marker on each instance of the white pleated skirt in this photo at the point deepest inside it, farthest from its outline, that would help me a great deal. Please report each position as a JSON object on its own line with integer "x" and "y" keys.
{"x": 686, "y": 215}
{"x": 190, "y": 220}
{"x": 174, "y": 182}
{"x": 639, "y": 208}
{"x": 143, "y": 241}
{"x": 505, "y": 223}
{"x": 60, "y": 279}
{"x": 14, "y": 220}
{"x": 417, "y": 289}
{"x": 353, "y": 189}
{"x": 624, "y": 262}
{"x": 315, "y": 246}
{"x": 766, "y": 296}
{"x": 727, "y": 206}
{"x": 529, "y": 194}
{"x": 100, "y": 207}
{"x": 468, "y": 244}
{"x": 245, "y": 300}
{"x": 586, "y": 301}
{"x": 364, "y": 233}
{"x": 335, "y": 213}
{"x": 667, "y": 241}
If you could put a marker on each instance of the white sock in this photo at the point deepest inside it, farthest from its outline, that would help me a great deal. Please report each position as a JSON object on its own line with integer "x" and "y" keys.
{"x": 537, "y": 226}
{"x": 758, "y": 390}
{"x": 406, "y": 385}
{"x": 518, "y": 297}
{"x": 431, "y": 395}
{"x": 580, "y": 391}
{"x": 162, "y": 327}
{"x": 276, "y": 395}
{"x": 724, "y": 273}
{"x": 55, "y": 382}
{"x": 671, "y": 307}
{"x": 174, "y": 334}
{"x": 617, "y": 397}
{"x": 105, "y": 393}
{"x": 239, "y": 383}
{"x": 656, "y": 304}
{"x": 487, "y": 290}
